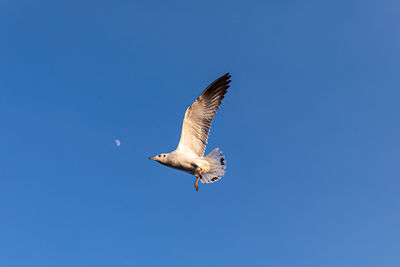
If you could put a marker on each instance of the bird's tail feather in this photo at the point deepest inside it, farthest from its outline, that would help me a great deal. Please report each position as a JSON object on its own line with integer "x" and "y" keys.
{"x": 217, "y": 164}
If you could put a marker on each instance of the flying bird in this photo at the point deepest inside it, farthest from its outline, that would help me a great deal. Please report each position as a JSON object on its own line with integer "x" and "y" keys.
{"x": 189, "y": 155}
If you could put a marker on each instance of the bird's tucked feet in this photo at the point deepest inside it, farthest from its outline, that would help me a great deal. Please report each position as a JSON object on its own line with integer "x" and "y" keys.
{"x": 195, "y": 184}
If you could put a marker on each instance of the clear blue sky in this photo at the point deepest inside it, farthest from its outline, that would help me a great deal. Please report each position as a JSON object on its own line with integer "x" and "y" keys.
{"x": 310, "y": 129}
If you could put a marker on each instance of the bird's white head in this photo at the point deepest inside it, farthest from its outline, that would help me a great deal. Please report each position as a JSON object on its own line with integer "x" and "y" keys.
{"x": 162, "y": 158}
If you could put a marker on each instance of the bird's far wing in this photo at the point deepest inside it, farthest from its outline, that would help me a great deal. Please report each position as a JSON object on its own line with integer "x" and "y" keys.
{"x": 198, "y": 117}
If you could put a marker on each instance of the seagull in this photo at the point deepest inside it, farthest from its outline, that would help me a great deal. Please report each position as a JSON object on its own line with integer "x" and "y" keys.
{"x": 189, "y": 155}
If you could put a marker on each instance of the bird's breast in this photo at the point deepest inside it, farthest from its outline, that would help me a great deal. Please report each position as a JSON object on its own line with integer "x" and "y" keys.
{"x": 183, "y": 164}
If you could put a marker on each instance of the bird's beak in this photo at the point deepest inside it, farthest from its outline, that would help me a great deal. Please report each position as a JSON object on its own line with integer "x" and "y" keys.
{"x": 152, "y": 158}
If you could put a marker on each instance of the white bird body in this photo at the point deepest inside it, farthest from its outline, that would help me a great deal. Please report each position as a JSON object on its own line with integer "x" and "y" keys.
{"x": 189, "y": 155}
{"x": 186, "y": 162}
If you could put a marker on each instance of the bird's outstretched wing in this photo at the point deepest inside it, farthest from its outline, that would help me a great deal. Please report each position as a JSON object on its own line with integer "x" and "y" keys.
{"x": 198, "y": 117}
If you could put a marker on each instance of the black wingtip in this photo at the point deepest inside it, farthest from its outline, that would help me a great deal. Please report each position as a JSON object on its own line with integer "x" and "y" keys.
{"x": 220, "y": 84}
{"x": 226, "y": 78}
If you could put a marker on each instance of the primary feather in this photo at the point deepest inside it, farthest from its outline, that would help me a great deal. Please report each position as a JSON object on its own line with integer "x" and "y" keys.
{"x": 198, "y": 117}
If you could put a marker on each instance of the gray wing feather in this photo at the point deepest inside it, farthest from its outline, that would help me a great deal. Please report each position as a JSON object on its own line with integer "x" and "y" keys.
{"x": 198, "y": 117}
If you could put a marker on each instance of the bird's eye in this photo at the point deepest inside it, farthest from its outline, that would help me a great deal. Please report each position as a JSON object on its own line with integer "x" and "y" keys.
{"x": 159, "y": 155}
{"x": 164, "y": 156}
